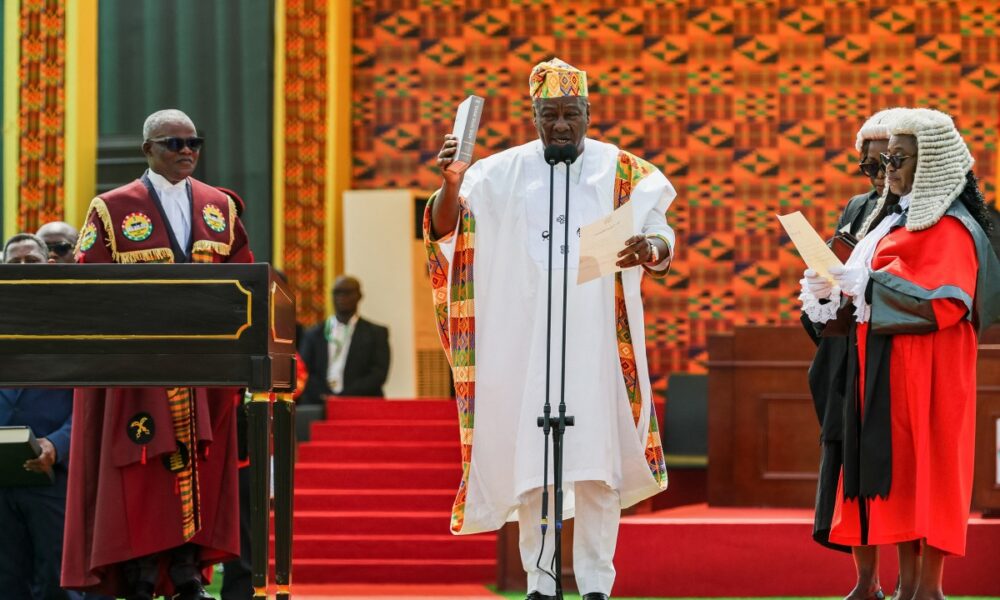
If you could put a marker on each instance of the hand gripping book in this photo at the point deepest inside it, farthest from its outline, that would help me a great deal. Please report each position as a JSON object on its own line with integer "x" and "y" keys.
{"x": 466, "y": 126}
{"x": 17, "y": 445}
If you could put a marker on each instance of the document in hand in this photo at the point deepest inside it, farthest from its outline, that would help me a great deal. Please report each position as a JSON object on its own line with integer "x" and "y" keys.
{"x": 813, "y": 250}
{"x": 466, "y": 126}
{"x": 601, "y": 241}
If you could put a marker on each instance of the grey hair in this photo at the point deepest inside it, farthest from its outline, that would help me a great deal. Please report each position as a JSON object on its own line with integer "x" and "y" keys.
{"x": 22, "y": 237}
{"x": 161, "y": 118}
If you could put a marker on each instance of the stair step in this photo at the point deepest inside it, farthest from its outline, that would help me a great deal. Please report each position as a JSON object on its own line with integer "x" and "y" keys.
{"x": 371, "y": 523}
{"x": 423, "y": 500}
{"x": 354, "y": 409}
{"x": 376, "y": 430}
{"x": 375, "y": 476}
{"x": 379, "y": 451}
{"x": 395, "y": 547}
{"x": 395, "y": 571}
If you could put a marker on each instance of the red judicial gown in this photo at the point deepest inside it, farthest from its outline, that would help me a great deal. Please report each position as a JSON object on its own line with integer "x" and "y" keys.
{"x": 124, "y": 501}
{"x": 932, "y": 383}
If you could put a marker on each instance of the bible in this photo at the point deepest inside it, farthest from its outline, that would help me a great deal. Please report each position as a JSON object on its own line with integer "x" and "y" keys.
{"x": 17, "y": 445}
{"x": 466, "y": 126}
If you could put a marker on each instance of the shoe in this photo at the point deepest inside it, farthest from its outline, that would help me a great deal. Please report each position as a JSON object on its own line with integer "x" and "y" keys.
{"x": 193, "y": 590}
{"x": 595, "y": 596}
{"x": 142, "y": 591}
{"x": 539, "y": 596}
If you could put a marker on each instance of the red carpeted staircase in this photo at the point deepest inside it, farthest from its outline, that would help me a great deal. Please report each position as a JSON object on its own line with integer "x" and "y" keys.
{"x": 373, "y": 495}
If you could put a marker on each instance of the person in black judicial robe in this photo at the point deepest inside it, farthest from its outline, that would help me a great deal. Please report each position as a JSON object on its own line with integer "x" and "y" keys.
{"x": 345, "y": 355}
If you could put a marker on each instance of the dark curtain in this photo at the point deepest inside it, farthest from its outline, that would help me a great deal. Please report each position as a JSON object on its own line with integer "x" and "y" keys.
{"x": 212, "y": 59}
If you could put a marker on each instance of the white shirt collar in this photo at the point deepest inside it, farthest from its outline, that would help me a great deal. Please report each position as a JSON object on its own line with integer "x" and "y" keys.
{"x": 160, "y": 182}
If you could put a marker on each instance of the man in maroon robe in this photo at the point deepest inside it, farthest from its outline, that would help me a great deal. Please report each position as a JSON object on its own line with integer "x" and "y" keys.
{"x": 153, "y": 499}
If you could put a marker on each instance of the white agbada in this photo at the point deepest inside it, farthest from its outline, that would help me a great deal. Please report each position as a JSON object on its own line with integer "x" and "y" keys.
{"x": 508, "y": 195}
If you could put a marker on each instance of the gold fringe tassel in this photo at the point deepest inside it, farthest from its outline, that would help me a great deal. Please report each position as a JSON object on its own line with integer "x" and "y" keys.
{"x": 217, "y": 247}
{"x": 157, "y": 255}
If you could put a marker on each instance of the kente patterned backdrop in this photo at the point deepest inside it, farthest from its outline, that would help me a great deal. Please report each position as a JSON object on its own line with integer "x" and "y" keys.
{"x": 305, "y": 139}
{"x": 42, "y": 107}
{"x": 750, "y": 108}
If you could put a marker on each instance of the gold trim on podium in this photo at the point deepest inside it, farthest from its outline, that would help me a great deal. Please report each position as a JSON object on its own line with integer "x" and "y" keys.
{"x": 274, "y": 331}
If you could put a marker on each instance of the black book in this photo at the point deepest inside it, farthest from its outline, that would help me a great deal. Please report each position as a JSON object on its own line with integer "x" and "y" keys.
{"x": 17, "y": 445}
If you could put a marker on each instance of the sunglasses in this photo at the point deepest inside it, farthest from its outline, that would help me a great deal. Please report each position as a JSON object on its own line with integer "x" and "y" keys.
{"x": 896, "y": 160}
{"x": 176, "y": 144}
{"x": 60, "y": 248}
{"x": 872, "y": 168}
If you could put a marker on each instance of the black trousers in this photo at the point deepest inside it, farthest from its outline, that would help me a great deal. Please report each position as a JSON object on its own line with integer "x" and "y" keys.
{"x": 236, "y": 574}
{"x": 31, "y": 520}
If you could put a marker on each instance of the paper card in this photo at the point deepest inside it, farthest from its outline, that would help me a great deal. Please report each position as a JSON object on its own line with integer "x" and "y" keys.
{"x": 601, "y": 241}
{"x": 813, "y": 250}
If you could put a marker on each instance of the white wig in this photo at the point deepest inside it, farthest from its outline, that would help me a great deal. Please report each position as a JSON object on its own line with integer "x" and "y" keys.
{"x": 877, "y": 127}
{"x": 161, "y": 118}
{"x": 943, "y": 160}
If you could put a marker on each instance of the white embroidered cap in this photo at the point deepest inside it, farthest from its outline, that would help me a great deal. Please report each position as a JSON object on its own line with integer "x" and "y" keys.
{"x": 877, "y": 127}
{"x": 943, "y": 159}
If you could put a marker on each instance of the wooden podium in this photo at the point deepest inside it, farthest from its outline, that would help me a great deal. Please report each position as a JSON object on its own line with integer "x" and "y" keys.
{"x": 165, "y": 325}
{"x": 763, "y": 435}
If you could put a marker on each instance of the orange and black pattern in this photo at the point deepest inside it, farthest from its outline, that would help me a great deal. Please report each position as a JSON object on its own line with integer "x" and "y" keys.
{"x": 750, "y": 108}
{"x": 41, "y": 111}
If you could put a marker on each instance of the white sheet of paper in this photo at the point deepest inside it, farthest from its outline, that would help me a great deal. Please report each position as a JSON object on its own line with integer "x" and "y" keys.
{"x": 601, "y": 241}
{"x": 813, "y": 250}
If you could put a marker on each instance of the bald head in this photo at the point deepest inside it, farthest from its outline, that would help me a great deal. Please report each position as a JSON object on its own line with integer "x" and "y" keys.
{"x": 60, "y": 239}
{"x": 346, "y": 295}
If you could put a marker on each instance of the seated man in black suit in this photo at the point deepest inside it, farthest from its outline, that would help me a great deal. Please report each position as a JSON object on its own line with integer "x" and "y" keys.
{"x": 345, "y": 354}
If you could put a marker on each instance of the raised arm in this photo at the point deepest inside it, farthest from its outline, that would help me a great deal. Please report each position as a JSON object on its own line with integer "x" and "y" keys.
{"x": 444, "y": 211}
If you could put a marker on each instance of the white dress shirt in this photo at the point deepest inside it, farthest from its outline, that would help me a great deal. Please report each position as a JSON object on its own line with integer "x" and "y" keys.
{"x": 338, "y": 339}
{"x": 176, "y": 205}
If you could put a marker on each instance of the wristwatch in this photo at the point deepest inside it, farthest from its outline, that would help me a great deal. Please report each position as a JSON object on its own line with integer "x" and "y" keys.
{"x": 654, "y": 252}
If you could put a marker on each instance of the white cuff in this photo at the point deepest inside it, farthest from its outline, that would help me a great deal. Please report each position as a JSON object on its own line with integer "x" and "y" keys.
{"x": 819, "y": 312}
{"x": 856, "y": 288}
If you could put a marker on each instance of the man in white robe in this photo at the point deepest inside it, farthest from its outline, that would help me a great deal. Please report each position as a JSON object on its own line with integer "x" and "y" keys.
{"x": 486, "y": 232}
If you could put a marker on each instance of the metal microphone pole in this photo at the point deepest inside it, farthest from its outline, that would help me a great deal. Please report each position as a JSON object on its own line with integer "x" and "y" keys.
{"x": 557, "y": 426}
{"x": 544, "y": 421}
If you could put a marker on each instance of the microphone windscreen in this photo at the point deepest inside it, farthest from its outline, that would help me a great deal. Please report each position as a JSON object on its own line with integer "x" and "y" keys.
{"x": 569, "y": 153}
{"x": 552, "y": 154}
{"x": 566, "y": 153}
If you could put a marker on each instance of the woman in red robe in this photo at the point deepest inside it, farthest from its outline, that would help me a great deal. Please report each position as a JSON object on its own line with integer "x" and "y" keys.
{"x": 922, "y": 282}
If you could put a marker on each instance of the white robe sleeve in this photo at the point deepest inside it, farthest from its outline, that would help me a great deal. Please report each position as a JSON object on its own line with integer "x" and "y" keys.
{"x": 659, "y": 189}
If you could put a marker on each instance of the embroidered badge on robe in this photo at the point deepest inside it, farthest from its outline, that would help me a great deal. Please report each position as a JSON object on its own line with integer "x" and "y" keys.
{"x": 177, "y": 461}
{"x": 88, "y": 237}
{"x": 214, "y": 218}
{"x": 137, "y": 227}
{"x": 141, "y": 428}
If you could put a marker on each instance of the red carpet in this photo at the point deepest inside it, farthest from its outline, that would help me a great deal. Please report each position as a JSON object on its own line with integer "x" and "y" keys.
{"x": 373, "y": 498}
{"x": 701, "y": 551}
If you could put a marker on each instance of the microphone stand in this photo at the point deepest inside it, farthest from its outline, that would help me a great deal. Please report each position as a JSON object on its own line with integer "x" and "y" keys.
{"x": 556, "y": 426}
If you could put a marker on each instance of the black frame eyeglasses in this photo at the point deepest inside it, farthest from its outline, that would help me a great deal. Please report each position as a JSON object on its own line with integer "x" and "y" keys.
{"x": 871, "y": 168}
{"x": 60, "y": 248}
{"x": 176, "y": 144}
{"x": 896, "y": 160}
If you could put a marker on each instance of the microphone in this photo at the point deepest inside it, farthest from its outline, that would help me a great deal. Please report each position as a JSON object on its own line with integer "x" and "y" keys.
{"x": 566, "y": 153}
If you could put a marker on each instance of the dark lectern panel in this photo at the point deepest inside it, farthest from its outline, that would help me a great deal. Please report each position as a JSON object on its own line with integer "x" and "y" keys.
{"x": 123, "y": 370}
{"x": 105, "y": 309}
{"x": 146, "y": 325}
